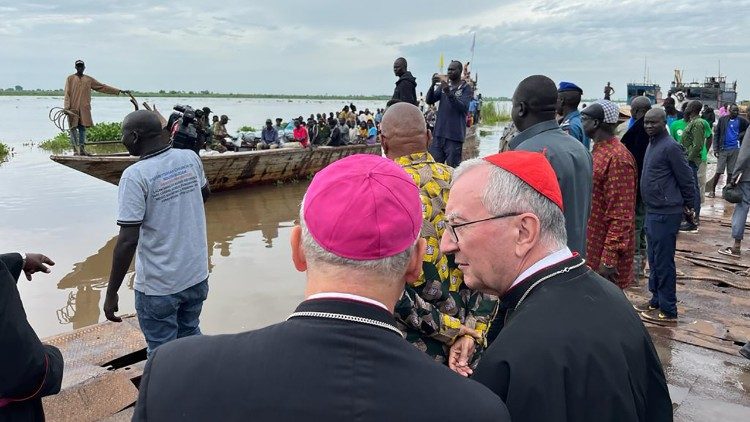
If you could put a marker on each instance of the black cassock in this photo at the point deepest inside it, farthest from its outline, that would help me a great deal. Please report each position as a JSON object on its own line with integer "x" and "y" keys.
{"x": 29, "y": 370}
{"x": 574, "y": 349}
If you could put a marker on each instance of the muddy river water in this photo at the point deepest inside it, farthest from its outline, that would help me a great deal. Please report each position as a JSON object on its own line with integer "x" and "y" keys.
{"x": 70, "y": 217}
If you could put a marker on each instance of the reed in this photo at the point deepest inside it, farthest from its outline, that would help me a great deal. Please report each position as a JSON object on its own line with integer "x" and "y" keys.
{"x": 492, "y": 114}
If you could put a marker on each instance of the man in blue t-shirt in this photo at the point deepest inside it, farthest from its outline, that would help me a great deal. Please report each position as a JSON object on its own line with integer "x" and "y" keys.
{"x": 727, "y": 138}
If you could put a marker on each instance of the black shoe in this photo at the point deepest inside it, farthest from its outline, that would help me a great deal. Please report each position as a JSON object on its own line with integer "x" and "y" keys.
{"x": 658, "y": 316}
{"x": 688, "y": 228}
{"x": 745, "y": 351}
{"x": 644, "y": 307}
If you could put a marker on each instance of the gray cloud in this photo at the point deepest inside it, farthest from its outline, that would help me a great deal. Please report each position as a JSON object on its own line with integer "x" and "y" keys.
{"x": 314, "y": 47}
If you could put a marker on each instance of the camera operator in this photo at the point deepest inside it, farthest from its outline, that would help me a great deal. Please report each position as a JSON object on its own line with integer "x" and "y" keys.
{"x": 184, "y": 128}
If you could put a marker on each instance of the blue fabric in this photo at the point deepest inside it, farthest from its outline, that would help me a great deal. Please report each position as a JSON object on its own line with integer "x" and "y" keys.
{"x": 446, "y": 151}
{"x": 269, "y": 136}
{"x": 661, "y": 237}
{"x": 372, "y": 132}
{"x": 666, "y": 179}
{"x": 569, "y": 86}
{"x": 670, "y": 119}
{"x": 574, "y": 170}
{"x": 574, "y": 127}
{"x": 166, "y": 318}
{"x": 78, "y": 135}
{"x": 451, "y": 114}
{"x": 473, "y": 106}
{"x": 631, "y": 122}
{"x": 739, "y": 216}
{"x": 732, "y": 135}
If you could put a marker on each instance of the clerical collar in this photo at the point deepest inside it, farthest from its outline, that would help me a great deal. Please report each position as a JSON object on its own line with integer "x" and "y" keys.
{"x": 347, "y": 296}
{"x": 548, "y": 261}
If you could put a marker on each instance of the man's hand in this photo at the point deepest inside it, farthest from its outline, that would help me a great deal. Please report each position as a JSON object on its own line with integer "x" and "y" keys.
{"x": 111, "y": 306}
{"x": 435, "y": 79}
{"x": 444, "y": 86}
{"x": 610, "y": 273}
{"x": 460, "y": 355}
{"x": 36, "y": 262}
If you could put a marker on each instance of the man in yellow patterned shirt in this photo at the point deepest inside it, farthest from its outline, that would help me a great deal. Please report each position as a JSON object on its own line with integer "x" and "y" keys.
{"x": 438, "y": 308}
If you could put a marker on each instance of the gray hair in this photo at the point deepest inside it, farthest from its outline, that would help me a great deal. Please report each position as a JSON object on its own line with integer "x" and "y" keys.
{"x": 389, "y": 267}
{"x": 507, "y": 193}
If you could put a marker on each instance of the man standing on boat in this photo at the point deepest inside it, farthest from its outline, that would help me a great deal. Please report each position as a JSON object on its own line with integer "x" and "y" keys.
{"x": 406, "y": 85}
{"x": 568, "y": 100}
{"x": 454, "y": 95}
{"x": 608, "y": 91}
{"x": 437, "y": 309}
{"x": 161, "y": 217}
{"x": 339, "y": 357}
{"x": 78, "y": 104}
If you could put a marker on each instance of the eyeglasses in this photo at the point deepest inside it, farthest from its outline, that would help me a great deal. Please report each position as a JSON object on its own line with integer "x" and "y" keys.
{"x": 451, "y": 228}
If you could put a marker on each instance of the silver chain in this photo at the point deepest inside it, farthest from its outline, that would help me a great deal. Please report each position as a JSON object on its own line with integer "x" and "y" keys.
{"x": 345, "y": 317}
{"x": 547, "y": 277}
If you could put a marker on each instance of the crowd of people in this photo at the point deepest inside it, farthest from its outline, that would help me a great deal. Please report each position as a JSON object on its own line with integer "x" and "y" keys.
{"x": 504, "y": 274}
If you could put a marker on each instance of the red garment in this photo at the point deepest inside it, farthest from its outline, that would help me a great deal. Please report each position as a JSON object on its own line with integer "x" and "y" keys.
{"x": 611, "y": 227}
{"x": 301, "y": 135}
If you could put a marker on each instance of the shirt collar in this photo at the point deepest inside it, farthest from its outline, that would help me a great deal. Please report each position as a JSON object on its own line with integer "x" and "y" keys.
{"x": 548, "y": 261}
{"x": 347, "y": 296}
{"x": 533, "y": 131}
{"x": 155, "y": 153}
{"x": 572, "y": 114}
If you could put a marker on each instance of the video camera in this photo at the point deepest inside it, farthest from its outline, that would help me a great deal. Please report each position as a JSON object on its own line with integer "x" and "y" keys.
{"x": 184, "y": 128}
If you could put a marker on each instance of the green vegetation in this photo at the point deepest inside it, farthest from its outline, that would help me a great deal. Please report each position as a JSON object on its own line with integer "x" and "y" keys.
{"x": 100, "y": 132}
{"x": 247, "y": 128}
{"x": 4, "y": 152}
{"x": 59, "y": 143}
{"x": 492, "y": 114}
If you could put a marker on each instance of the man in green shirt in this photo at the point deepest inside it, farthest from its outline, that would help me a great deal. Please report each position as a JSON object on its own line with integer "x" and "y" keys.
{"x": 677, "y": 128}
{"x": 694, "y": 140}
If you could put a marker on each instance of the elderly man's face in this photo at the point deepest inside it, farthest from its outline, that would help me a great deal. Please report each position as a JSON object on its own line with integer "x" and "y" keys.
{"x": 483, "y": 251}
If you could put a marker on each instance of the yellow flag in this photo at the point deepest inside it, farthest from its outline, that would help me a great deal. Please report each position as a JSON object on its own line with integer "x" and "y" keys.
{"x": 442, "y": 62}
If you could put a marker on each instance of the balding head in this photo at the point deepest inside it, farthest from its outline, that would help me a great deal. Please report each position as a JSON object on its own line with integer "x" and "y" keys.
{"x": 403, "y": 131}
{"x": 639, "y": 106}
{"x": 142, "y": 132}
{"x": 534, "y": 101}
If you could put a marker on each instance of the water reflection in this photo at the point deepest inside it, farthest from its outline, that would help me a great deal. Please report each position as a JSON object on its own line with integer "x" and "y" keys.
{"x": 229, "y": 216}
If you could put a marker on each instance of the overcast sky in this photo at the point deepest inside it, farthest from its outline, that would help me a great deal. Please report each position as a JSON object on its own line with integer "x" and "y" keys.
{"x": 333, "y": 47}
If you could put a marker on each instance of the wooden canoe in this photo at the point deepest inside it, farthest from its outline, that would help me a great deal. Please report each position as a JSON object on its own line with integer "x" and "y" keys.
{"x": 231, "y": 170}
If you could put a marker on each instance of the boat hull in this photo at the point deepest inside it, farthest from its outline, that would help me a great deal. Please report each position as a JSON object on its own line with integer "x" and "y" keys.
{"x": 231, "y": 170}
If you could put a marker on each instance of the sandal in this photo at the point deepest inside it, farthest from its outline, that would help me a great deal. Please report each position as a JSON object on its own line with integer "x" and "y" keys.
{"x": 730, "y": 251}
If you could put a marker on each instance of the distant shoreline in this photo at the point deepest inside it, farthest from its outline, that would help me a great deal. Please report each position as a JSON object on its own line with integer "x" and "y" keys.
{"x": 204, "y": 94}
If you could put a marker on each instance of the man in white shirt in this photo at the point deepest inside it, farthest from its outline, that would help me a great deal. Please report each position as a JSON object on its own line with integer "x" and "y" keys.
{"x": 161, "y": 217}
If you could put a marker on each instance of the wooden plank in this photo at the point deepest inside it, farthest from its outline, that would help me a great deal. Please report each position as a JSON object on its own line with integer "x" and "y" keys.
{"x": 86, "y": 349}
{"x": 92, "y": 400}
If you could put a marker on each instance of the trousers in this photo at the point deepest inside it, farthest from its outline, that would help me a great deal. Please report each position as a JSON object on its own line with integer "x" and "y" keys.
{"x": 661, "y": 236}
{"x": 446, "y": 151}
